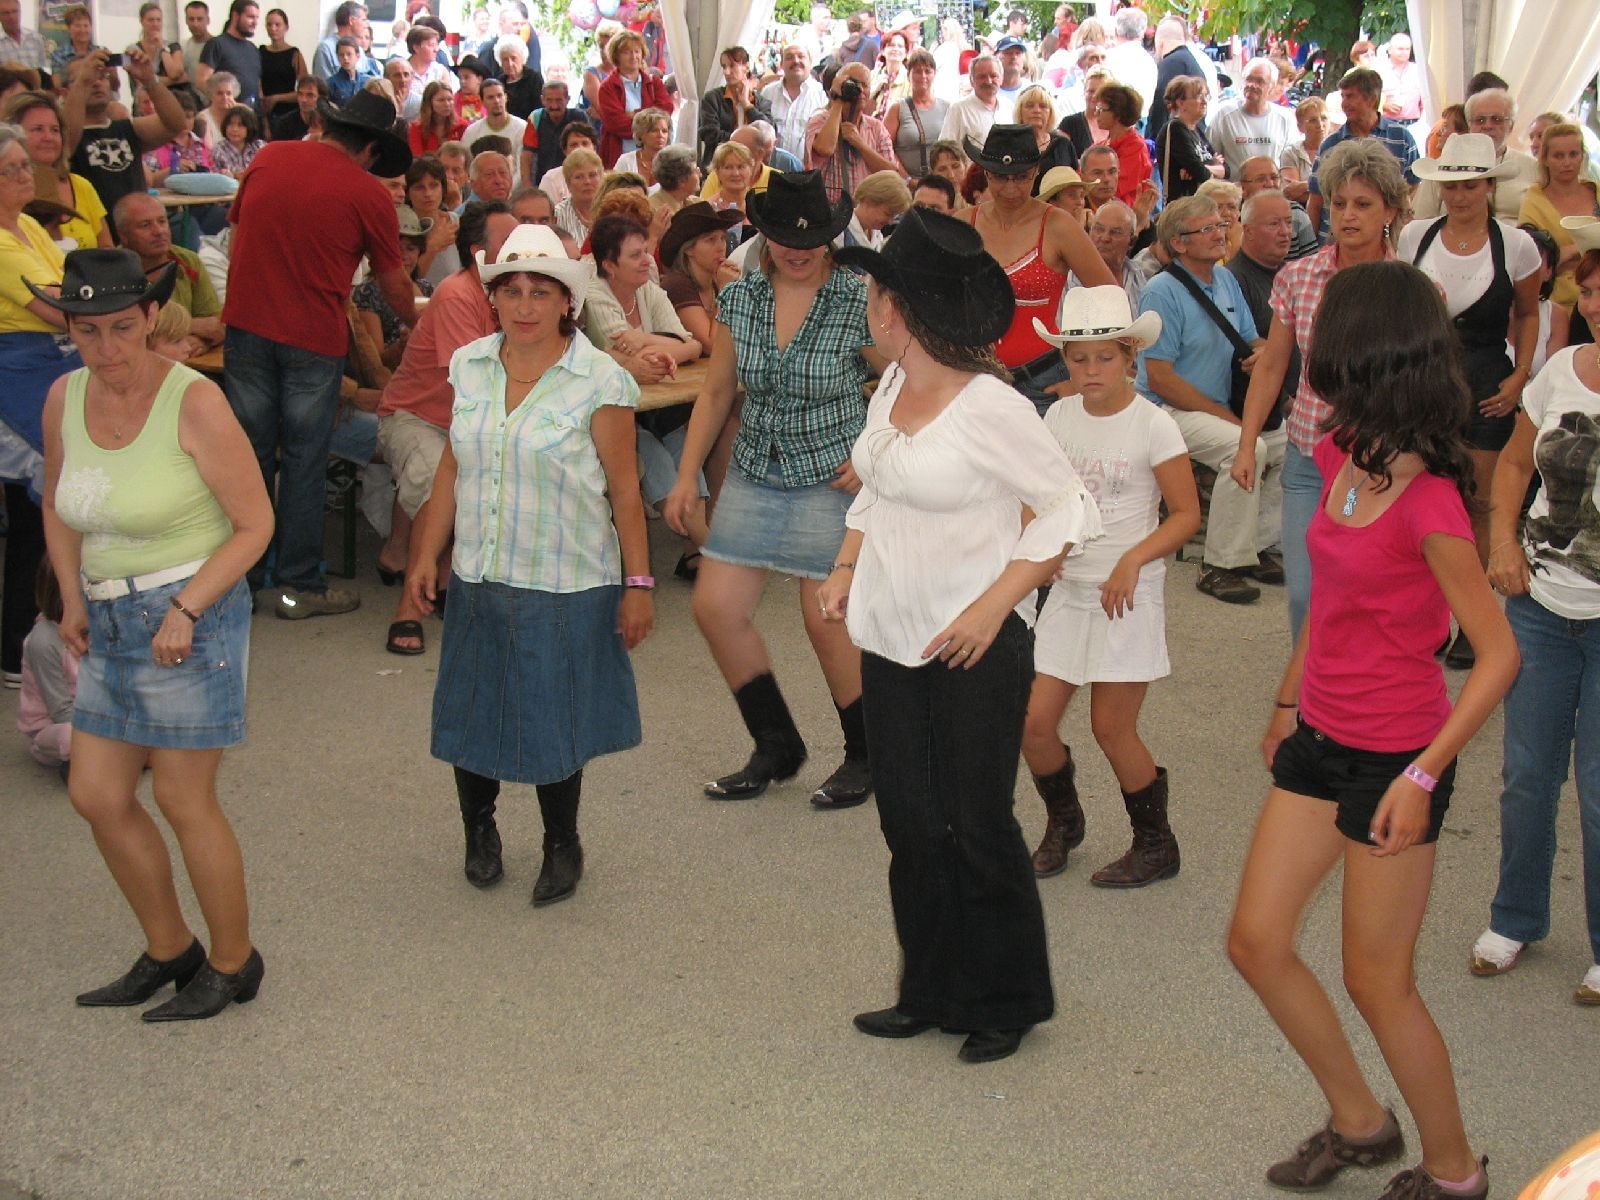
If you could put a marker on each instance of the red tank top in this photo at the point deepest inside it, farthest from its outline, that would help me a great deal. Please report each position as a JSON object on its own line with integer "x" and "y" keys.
{"x": 1038, "y": 289}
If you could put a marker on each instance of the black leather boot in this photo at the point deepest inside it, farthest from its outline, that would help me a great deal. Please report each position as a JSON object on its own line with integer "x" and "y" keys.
{"x": 1063, "y": 830}
{"x": 210, "y": 991}
{"x": 1154, "y": 853}
{"x": 779, "y": 752}
{"x": 147, "y": 977}
{"x": 558, "y": 877}
{"x": 477, "y": 795}
{"x": 851, "y": 784}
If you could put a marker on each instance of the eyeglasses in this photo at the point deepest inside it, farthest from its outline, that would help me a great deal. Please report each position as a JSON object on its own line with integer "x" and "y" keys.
{"x": 17, "y": 172}
{"x": 1206, "y": 229}
{"x": 1486, "y": 119}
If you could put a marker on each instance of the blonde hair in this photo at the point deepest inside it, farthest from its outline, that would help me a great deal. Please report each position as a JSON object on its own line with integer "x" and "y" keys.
{"x": 172, "y": 324}
{"x": 886, "y": 188}
{"x": 621, "y": 42}
{"x": 734, "y": 151}
{"x": 1220, "y": 191}
{"x": 25, "y": 102}
{"x": 578, "y": 158}
{"x": 1560, "y": 129}
{"x": 1032, "y": 94}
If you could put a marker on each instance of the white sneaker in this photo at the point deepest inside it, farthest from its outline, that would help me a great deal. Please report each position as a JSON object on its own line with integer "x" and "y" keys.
{"x": 11, "y": 679}
{"x": 1493, "y": 954}
{"x": 1589, "y": 990}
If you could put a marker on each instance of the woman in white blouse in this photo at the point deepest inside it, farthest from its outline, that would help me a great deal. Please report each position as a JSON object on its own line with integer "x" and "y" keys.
{"x": 966, "y": 507}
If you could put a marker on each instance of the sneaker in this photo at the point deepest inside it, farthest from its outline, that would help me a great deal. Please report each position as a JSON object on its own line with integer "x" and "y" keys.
{"x": 1268, "y": 568}
{"x": 1228, "y": 586}
{"x": 1417, "y": 1184}
{"x": 295, "y": 605}
{"x": 11, "y": 679}
{"x": 1589, "y": 990}
{"x": 1495, "y": 955}
{"x": 1327, "y": 1152}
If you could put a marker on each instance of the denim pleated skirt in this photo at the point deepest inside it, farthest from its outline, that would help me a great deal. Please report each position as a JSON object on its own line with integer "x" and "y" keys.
{"x": 532, "y": 684}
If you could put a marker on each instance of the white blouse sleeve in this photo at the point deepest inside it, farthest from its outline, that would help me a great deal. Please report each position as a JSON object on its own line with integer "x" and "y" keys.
{"x": 1008, "y": 442}
{"x": 861, "y": 453}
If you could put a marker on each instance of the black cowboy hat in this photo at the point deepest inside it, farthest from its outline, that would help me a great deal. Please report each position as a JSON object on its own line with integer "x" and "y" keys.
{"x": 1008, "y": 150}
{"x": 938, "y": 267}
{"x": 692, "y": 221}
{"x": 96, "y": 282}
{"x": 473, "y": 63}
{"x": 372, "y": 113}
{"x": 794, "y": 211}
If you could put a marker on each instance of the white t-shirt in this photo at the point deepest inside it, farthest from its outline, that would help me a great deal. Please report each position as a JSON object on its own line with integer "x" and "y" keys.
{"x": 969, "y": 118}
{"x": 1239, "y": 137}
{"x": 942, "y": 512}
{"x": 1466, "y": 277}
{"x": 513, "y": 129}
{"x": 1116, "y": 458}
{"x": 1130, "y": 64}
{"x": 1562, "y": 534}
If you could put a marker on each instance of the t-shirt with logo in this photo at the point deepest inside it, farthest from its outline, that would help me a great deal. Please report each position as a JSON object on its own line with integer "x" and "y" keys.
{"x": 108, "y": 157}
{"x": 1239, "y": 136}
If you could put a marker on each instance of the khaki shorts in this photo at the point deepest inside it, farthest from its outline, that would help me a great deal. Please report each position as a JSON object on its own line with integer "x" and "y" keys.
{"x": 412, "y": 448}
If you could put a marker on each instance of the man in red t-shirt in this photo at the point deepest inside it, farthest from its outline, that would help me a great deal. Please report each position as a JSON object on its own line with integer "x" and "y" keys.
{"x": 305, "y": 216}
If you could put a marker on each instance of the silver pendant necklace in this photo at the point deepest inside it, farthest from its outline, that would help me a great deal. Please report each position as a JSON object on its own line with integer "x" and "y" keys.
{"x": 1349, "y": 509}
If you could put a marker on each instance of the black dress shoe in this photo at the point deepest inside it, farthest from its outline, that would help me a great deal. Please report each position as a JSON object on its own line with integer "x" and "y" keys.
{"x": 847, "y": 787}
{"x": 990, "y": 1045}
{"x": 891, "y": 1023}
{"x": 483, "y": 867}
{"x": 558, "y": 877}
{"x": 210, "y": 991}
{"x": 146, "y": 979}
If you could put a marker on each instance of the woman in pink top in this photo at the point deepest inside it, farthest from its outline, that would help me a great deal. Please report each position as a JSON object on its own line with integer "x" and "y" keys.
{"x": 1363, "y": 741}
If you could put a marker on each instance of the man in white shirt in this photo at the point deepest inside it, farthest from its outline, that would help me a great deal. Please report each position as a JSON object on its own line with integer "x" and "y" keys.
{"x": 496, "y": 120}
{"x": 1128, "y": 61}
{"x": 19, "y": 45}
{"x": 1254, "y": 127}
{"x": 817, "y": 38}
{"x": 973, "y": 115}
{"x": 1402, "y": 81}
{"x": 1489, "y": 112}
{"x": 794, "y": 99}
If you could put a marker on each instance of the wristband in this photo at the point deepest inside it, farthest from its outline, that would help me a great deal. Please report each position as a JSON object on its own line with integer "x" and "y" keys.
{"x": 643, "y": 582}
{"x": 1291, "y": 704}
{"x": 844, "y": 566}
{"x": 178, "y": 604}
{"x": 1421, "y": 778}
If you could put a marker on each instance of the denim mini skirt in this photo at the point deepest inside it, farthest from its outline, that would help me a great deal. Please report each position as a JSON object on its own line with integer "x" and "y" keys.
{"x": 196, "y": 705}
{"x": 795, "y": 530}
{"x": 532, "y": 684}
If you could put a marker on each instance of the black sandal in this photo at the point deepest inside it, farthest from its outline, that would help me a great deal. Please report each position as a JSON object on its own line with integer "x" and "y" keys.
{"x": 405, "y": 629}
{"x": 688, "y": 567}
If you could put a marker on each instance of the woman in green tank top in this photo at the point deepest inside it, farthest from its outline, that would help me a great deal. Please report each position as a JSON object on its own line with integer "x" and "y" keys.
{"x": 154, "y": 509}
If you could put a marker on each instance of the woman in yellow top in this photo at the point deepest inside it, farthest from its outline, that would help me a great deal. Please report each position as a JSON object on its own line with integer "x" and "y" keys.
{"x": 31, "y": 359}
{"x": 153, "y": 513}
{"x": 39, "y": 117}
{"x": 1561, "y": 192}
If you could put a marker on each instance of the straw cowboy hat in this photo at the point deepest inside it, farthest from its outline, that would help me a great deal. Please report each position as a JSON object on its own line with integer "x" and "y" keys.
{"x": 1099, "y": 314}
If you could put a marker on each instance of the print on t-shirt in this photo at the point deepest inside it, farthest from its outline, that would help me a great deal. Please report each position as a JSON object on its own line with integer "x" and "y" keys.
{"x": 111, "y": 154}
{"x": 1568, "y": 534}
{"x": 1104, "y": 471}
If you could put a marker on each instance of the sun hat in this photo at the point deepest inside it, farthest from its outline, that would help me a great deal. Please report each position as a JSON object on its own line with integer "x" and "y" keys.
{"x": 794, "y": 210}
{"x": 370, "y": 112}
{"x": 901, "y": 20}
{"x": 692, "y": 221}
{"x": 1099, "y": 314}
{"x": 1008, "y": 150}
{"x": 45, "y": 203}
{"x": 1585, "y": 231}
{"x": 412, "y": 225}
{"x": 537, "y": 250}
{"x": 1465, "y": 156}
{"x": 96, "y": 282}
{"x": 1058, "y": 178}
{"x": 938, "y": 267}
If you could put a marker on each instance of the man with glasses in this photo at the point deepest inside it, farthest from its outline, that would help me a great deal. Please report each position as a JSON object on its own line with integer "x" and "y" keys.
{"x": 1253, "y": 126}
{"x": 1189, "y": 369}
{"x": 1261, "y": 174}
{"x": 1113, "y": 230}
{"x": 1491, "y": 112}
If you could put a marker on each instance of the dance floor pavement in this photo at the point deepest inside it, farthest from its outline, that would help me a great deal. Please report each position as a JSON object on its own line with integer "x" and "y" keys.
{"x": 682, "y": 1027}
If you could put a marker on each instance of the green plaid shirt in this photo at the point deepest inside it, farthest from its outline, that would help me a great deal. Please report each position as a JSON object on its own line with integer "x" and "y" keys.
{"x": 806, "y": 402}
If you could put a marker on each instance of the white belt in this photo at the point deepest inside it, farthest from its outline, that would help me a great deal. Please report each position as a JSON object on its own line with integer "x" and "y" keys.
{"x": 115, "y": 589}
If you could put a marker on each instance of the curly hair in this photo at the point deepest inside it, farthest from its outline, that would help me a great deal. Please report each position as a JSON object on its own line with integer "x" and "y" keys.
{"x": 1387, "y": 361}
{"x": 981, "y": 360}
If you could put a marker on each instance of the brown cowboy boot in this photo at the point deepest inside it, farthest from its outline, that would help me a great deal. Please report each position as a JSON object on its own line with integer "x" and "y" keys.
{"x": 1154, "y": 853}
{"x": 1063, "y": 829}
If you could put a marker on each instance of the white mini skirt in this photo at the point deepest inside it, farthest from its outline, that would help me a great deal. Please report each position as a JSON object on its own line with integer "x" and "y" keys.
{"x": 1074, "y": 640}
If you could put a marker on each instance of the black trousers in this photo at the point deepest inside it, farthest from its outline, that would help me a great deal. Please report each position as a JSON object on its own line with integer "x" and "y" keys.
{"x": 945, "y": 745}
{"x": 24, "y": 551}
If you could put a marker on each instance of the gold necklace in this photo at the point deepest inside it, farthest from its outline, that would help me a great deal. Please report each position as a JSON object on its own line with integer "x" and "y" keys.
{"x": 504, "y": 362}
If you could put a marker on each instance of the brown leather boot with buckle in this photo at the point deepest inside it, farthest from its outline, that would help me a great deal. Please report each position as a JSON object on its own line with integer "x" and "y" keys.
{"x": 1154, "y": 853}
{"x": 1327, "y": 1152}
{"x": 1063, "y": 831}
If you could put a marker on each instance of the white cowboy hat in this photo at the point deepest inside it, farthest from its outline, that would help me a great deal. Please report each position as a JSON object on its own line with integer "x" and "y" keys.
{"x": 902, "y": 19}
{"x": 1099, "y": 314}
{"x": 536, "y": 250}
{"x": 1585, "y": 231}
{"x": 1465, "y": 156}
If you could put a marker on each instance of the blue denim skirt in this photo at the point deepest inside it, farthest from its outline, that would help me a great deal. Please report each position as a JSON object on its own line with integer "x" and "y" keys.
{"x": 795, "y": 530}
{"x": 532, "y": 685}
{"x": 196, "y": 705}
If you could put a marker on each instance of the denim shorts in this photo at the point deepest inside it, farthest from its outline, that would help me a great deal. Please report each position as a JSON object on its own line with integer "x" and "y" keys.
{"x": 795, "y": 530}
{"x": 196, "y": 705}
{"x": 1310, "y": 763}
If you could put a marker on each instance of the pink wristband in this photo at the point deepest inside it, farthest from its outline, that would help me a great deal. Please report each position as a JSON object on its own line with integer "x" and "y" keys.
{"x": 645, "y": 582}
{"x": 1420, "y": 777}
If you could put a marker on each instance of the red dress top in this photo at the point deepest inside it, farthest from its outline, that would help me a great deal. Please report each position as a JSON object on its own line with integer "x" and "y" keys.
{"x": 1038, "y": 288}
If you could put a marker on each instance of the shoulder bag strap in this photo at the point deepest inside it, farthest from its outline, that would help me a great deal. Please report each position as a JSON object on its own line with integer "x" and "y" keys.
{"x": 1218, "y": 317}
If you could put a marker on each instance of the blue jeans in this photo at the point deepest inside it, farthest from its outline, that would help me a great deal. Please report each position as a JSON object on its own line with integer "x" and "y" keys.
{"x": 286, "y": 399}
{"x": 1552, "y": 711}
{"x": 1302, "y": 492}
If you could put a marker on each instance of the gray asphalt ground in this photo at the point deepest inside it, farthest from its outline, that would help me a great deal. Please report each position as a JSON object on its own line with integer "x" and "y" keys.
{"x": 682, "y": 1027}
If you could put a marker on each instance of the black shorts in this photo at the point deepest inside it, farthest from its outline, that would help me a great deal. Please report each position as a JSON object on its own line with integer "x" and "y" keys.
{"x": 1310, "y": 763}
{"x": 1490, "y": 433}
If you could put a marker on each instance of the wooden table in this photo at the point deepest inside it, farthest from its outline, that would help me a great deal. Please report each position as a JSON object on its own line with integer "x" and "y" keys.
{"x": 682, "y": 390}
{"x": 207, "y": 362}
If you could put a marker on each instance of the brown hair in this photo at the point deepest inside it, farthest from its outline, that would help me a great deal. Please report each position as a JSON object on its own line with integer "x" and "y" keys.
{"x": 569, "y": 323}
